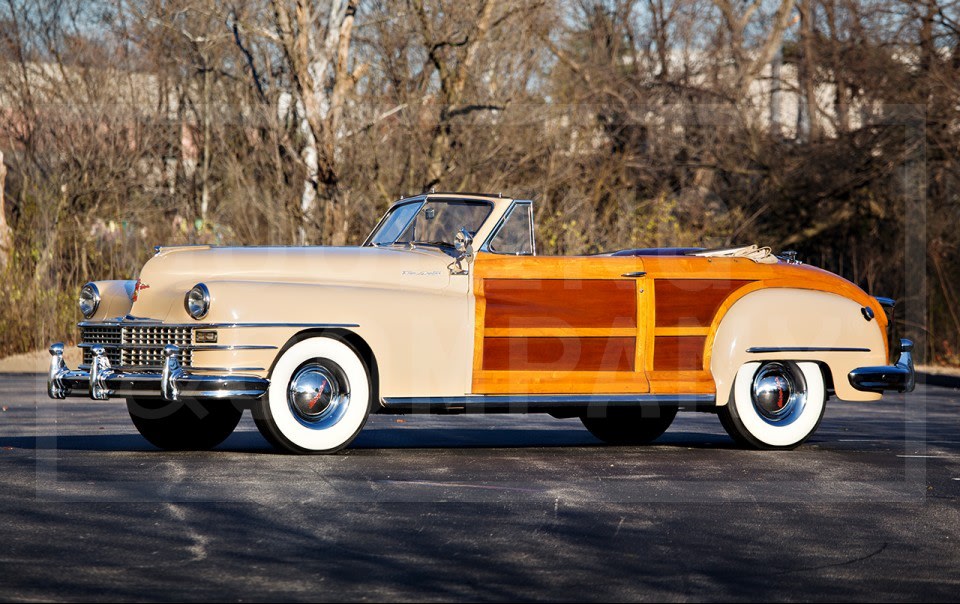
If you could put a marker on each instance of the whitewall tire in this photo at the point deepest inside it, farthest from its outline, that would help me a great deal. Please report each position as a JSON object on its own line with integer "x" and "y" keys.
{"x": 775, "y": 404}
{"x": 319, "y": 397}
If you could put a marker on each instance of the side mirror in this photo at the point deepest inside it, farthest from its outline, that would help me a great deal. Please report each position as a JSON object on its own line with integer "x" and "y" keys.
{"x": 463, "y": 243}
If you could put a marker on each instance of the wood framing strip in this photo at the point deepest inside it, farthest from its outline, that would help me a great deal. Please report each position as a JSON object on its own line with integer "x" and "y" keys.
{"x": 560, "y": 332}
{"x": 681, "y": 382}
{"x": 681, "y": 331}
{"x": 559, "y": 382}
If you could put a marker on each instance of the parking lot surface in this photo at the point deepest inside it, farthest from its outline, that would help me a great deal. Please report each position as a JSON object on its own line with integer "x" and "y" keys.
{"x": 493, "y": 507}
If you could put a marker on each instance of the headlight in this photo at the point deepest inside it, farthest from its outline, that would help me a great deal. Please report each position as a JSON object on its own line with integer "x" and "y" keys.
{"x": 89, "y": 300}
{"x": 197, "y": 301}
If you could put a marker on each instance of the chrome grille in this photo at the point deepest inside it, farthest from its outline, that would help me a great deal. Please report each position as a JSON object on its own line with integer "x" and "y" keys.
{"x": 107, "y": 336}
{"x": 137, "y": 346}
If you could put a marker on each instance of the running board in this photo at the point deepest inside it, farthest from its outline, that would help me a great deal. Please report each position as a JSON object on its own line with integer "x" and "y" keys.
{"x": 543, "y": 403}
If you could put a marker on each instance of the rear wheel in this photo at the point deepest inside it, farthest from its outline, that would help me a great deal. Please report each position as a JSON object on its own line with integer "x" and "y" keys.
{"x": 775, "y": 404}
{"x": 319, "y": 398}
{"x": 625, "y": 426}
{"x": 185, "y": 424}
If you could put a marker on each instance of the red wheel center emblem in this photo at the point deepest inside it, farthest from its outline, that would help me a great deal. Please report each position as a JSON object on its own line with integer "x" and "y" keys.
{"x": 313, "y": 404}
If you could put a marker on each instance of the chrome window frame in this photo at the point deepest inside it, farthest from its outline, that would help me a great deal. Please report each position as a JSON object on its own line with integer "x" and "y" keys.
{"x": 391, "y": 210}
{"x": 503, "y": 220}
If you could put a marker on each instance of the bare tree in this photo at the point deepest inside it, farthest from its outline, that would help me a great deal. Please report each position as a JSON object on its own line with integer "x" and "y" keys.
{"x": 316, "y": 47}
{"x": 750, "y": 57}
{"x": 453, "y": 54}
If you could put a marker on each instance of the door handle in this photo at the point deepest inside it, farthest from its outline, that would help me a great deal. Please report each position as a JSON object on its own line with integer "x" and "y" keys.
{"x": 636, "y": 274}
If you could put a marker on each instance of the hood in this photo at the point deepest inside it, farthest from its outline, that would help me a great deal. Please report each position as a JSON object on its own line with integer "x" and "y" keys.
{"x": 167, "y": 277}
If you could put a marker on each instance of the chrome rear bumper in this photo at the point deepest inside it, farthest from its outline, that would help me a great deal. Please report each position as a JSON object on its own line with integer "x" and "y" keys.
{"x": 101, "y": 382}
{"x": 899, "y": 377}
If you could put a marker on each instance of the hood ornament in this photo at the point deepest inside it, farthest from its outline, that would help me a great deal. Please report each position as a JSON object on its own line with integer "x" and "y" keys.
{"x": 140, "y": 286}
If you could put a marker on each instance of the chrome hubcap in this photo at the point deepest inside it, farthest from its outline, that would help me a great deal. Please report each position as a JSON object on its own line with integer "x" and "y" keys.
{"x": 778, "y": 392}
{"x": 318, "y": 394}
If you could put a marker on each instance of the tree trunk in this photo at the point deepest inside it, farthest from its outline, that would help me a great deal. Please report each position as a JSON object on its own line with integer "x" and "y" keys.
{"x": 6, "y": 238}
{"x": 43, "y": 265}
{"x": 808, "y": 68}
{"x": 310, "y": 51}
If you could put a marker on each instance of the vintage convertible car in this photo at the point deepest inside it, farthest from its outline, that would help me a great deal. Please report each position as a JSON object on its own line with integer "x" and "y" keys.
{"x": 447, "y": 308}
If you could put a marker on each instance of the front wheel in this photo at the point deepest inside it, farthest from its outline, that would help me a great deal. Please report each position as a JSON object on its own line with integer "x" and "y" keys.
{"x": 184, "y": 425}
{"x": 319, "y": 398}
{"x": 775, "y": 404}
{"x": 625, "y": 426}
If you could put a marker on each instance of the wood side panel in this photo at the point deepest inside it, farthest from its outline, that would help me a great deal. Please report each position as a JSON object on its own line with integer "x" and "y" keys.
{"x": 692, "y": 302}
{"x": 562, "y": 303}
{"x": 558, "y": 354}
{"x": 661, "y": 380}
{"x": 678, "y": 353}
{"x": 800, "y": 276}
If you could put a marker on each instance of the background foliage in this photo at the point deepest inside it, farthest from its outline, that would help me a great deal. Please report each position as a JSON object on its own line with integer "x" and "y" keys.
{"x": 826, "y": 126}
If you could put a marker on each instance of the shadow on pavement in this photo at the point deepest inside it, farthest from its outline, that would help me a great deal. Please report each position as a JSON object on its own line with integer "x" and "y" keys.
{"x": 375, "y": 438}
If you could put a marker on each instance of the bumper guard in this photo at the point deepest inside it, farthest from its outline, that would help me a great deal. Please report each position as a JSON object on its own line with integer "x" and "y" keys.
{"x": 101, "y": 382}
{"x": 899, "y": 377}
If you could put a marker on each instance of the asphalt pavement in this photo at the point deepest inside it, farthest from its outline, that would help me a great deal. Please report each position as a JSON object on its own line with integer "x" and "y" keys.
{"x": 481, "y": 507}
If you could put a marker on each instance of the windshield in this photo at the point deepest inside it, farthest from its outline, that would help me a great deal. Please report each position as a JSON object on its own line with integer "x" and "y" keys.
{"x": 393, "y": 224}
{"x": 435, "y": 222}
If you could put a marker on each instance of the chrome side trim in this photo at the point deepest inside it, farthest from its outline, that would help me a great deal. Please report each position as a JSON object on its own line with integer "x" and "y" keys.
{"x": 768, "y": 349}
{"x": 200, "y": 347}
{"x": 227, "y": 369}
{"x": 158, "y": 368}
{"x": 540, "y": 403}
{"x": 135, "y": 322}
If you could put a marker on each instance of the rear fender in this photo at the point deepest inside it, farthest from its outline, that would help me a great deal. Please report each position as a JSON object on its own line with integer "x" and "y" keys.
{"x": 831, "y": 327}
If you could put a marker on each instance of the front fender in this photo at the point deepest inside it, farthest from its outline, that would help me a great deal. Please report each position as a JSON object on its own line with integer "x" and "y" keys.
{"x": 422, "y": 338}
{"x": 116, "y": 299}
{"x": 817, "y": 326}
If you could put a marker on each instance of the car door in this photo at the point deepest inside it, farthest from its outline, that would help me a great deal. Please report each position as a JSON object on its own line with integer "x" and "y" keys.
{"x": 559, "y": 325}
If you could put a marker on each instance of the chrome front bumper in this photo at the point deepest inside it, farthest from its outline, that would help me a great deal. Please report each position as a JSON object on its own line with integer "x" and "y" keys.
{"x": 900, "y": 377}
{"x": 101, "y": 382}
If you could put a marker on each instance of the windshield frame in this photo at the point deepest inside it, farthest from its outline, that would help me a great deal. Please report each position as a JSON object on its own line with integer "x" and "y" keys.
{"x": 423, "y": 201}
{"x": 417, "y": 200}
